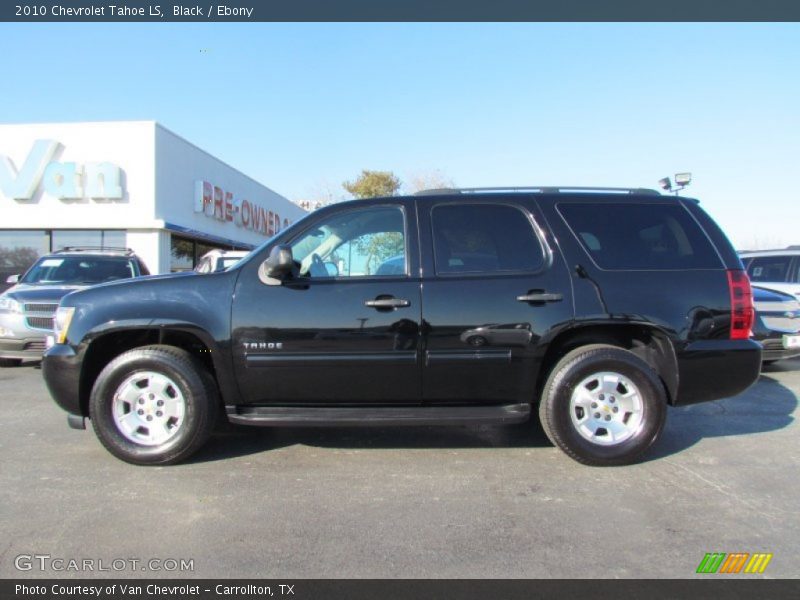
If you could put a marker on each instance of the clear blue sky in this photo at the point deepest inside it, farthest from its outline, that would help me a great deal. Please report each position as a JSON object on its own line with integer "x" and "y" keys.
{"x": 303, "y": 107}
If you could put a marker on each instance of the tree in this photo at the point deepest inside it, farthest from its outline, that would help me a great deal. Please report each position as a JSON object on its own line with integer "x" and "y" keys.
{"x": 429, "y": 180}
{"x": 373, "y": 184}
{"x": 15, "y": 261}
{"x": 19, "y": 258}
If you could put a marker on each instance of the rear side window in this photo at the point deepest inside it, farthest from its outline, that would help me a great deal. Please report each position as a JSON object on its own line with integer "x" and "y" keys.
{"x": 769, "y": 268}
{"x": 647, "y": 236}
{"x": 482, "y": 238}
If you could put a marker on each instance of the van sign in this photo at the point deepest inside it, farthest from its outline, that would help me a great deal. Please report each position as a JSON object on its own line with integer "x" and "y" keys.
{"x": 67, "y": 181}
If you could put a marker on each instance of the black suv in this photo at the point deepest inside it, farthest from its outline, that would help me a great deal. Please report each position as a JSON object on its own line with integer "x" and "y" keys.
{"x": 596, "y": 308}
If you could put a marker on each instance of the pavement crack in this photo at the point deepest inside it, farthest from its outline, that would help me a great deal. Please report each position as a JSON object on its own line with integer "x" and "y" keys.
{"x": 722, "y": 489}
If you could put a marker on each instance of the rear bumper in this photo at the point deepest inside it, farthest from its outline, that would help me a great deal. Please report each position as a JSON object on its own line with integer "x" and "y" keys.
{"x": 61, "y": 369}
{"x": 714, "y": 369}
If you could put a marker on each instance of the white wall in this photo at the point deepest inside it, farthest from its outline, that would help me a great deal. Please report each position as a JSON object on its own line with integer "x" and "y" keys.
{"x": 153, "y": 247}
{"x": 180, "y": 165}
{"x": 126, "y": 145}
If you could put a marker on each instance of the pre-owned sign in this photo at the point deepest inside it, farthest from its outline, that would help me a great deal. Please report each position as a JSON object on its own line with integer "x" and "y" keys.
{"x": 214, "y": 202}
{"x": 68, "y": 181}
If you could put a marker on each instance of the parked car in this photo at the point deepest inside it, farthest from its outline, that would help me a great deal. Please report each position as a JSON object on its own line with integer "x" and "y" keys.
{"x": 777, "y": 325}
{"x": 630, "y": 301}
{"x": 775, "y": 269}
{"x": 506, "y": 334}
{"x": 219, "y": 260}
{"x": 28, "y": 307}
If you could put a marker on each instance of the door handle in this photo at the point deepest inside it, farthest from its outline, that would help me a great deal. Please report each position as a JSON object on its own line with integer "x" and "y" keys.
{"x": 387, "y": 303}
{"x": 540, "y": 297}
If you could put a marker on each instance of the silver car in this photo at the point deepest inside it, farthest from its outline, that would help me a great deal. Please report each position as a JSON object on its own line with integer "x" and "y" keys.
{"x": 775, "y": 269}
{"x": 777, "y": 324}
{"x": 27, "y": 309}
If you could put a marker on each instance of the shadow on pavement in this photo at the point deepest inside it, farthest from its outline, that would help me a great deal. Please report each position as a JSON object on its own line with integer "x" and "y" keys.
{"x": 243, "y": 440}
{"x": 767, "y": 406}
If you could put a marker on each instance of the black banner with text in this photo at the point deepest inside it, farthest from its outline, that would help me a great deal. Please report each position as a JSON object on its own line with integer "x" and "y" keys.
{"x": 405, "y": 10}
{"x": 402, "y": 589}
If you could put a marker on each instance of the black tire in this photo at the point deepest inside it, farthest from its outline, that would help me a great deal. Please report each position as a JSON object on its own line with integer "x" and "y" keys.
{"x": 10, "y": 362}
{"x": 477, "y": 341}
{"x": 590, "y": 440}
{"x": 186, "y": 386}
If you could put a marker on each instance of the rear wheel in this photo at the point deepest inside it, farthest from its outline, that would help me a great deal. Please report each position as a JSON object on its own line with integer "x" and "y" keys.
{"x": 603, "y": 405}
{"x": 10, "y": 362}
{"x": 154, "y": 405}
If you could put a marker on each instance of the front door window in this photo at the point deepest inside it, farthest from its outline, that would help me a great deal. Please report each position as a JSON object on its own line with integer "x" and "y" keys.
{"x": 360, "y": 243}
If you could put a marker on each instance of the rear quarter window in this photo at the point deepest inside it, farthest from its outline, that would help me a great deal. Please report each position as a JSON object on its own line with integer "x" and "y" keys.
{"x": 639, "y": 236}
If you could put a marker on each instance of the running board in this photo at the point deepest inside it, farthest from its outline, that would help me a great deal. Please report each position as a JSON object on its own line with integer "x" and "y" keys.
{"x": 291, "y": 416}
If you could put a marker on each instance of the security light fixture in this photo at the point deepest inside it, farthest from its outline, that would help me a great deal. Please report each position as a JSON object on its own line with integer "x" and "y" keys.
{"x": 681, "y": 181}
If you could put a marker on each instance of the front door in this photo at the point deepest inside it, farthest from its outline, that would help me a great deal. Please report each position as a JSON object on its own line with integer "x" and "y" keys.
{"x": 346, "y": 330}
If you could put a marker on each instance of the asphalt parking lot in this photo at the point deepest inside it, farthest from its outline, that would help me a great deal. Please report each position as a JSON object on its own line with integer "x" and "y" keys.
{"x": 427, "y": 502}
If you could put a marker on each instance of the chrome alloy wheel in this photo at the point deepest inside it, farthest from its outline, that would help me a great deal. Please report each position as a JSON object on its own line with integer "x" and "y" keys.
{"x": 148, "y": 408}
{"x": 606, "y": 408}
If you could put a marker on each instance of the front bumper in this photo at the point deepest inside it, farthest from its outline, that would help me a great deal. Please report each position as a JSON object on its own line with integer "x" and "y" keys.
{"x": 61, "y": 369}
{"x": 17, "y": 340}
{"x": 775, "y": 349}
{"x": 714, "y": 369}
{"x": 29, "y": 347}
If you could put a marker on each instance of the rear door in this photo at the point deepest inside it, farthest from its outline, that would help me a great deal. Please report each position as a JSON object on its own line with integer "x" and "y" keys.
{"x": 492, "y": 292}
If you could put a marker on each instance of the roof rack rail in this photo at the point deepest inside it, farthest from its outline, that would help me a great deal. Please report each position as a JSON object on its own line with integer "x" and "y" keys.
{"x": 94, "y": 249}
{"x": 561, "y": 189}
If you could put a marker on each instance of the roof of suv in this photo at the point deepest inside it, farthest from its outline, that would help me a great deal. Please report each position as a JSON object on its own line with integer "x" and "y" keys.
{"x": 791, "y": 251}
{"x": 539, "y": 189}
{"x": 99, "y": 250}
{"x": 226, "y": 253}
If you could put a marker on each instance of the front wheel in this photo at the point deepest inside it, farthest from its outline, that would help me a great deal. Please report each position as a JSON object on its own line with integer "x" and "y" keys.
{"x": 154, "y": 405}
{"x": 603, "y": 405}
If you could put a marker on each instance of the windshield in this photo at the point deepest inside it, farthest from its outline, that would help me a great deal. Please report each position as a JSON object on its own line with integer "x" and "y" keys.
{"x": 78, "y": 270}
{"x": 228, "y": 261}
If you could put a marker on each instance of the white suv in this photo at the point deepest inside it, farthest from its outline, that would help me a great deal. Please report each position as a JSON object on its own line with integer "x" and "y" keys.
{"x": 775, "y": 269}
{"x": 219, "y": 260}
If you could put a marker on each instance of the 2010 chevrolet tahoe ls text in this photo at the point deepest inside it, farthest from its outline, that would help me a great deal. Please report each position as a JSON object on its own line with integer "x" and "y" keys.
{"x": 596, "y": 308}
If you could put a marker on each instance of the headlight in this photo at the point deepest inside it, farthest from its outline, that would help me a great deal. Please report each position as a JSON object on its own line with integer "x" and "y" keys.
{"x": 61, "y": 323}
{"x": 8, "y": 304}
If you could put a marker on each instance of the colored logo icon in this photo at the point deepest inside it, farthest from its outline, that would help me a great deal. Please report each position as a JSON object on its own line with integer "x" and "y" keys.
{"x": 733, "y": 563}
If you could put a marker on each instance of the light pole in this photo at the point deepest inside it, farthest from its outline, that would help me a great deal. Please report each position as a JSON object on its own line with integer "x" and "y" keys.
{"x": 681, "y": 181}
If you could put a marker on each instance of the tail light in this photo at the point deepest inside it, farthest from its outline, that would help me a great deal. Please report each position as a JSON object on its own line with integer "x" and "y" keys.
{"x": 742, "y": 310}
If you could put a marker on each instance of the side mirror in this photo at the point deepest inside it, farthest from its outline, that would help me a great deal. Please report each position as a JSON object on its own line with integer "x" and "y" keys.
{"x": 13, "y": 279}
{"x": 279, "y": 265}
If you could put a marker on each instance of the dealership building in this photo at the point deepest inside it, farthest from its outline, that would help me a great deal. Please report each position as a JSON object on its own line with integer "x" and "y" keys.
{"x": 126, "y": 184}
